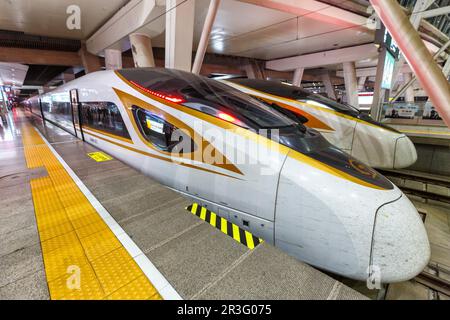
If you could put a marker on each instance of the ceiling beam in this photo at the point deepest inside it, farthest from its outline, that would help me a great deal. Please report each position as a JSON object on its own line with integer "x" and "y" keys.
{"x": 12, "y": 73}
{"x": 436, "y": 12}
{"x": 314, "y": 9}
{"x": 353, "y": 6}
{"x": 43, "y": 57}
{"x": 314, "y": 60}
{"x": 371, "y": 71}
{"x": 136, "y": 16}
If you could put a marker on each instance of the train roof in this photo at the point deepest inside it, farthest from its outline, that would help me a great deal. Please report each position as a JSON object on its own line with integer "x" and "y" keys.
{"x": 293, "y": 92}
{"x": 296, "y": 93}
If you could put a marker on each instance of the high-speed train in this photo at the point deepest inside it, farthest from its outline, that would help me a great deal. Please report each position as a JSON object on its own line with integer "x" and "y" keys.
{"x": 250, "y": 164}
{"x": 371, "y": 142}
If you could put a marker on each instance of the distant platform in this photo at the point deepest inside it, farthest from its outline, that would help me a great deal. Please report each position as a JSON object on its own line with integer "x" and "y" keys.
{"x": 416, "y": 121}
{"x": 423, "y": 131}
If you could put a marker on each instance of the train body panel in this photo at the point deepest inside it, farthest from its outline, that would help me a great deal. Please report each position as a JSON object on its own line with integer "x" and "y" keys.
{"x": 358, "y": 135}
{"x": 331, "y": 221}
{"x": 342, "y": 136}
{"x": 299, "y": 193}
{"x": 404, "y": 245}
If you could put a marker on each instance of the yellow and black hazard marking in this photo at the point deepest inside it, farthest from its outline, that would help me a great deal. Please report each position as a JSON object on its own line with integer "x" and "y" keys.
{"x": 99, "y": 156}
{"x": 230, "y": 229}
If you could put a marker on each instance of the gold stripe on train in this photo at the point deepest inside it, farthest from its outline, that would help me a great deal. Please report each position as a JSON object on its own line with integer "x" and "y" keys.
{"x": 88, "y": 128}
{"x": 129, "y": 101}
{"x": 160, "y": 157}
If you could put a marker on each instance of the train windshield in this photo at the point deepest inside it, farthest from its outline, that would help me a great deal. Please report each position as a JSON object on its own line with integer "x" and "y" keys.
{"x": 296, "y": 93}
{"x": 208, "y": 96}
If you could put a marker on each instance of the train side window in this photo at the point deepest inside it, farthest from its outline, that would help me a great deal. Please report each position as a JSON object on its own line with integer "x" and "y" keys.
{"x": 103, "y": 116}
{"x": 161, "y": 133}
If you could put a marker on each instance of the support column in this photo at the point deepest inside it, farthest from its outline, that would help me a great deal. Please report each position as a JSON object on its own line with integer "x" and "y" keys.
{"x": 254, "y": 69}
{"x": 416, "y": 53}
{"x": 415, "y": 18}
{"x": 203, "y": 44}
{"x": 379, "y": 94}
{"x": 297, "y": 78}
{"x": 179, "y": 34}
{"x": 446, "y": 68}
{"x": 113, "y": 59}
{"x": 90, "y": 62}
{"x": 249, "y": 72}
{"x": 141, "y": 46}
{"x": 329, "y": 89}
{"x": 361, "y": 83}
{"x": 409, "y": 94}
{"x": 351, "y": 85}
{"x": 402, "y": 90}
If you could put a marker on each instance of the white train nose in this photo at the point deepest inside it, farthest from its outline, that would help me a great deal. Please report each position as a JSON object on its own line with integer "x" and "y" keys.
{"x": 400, "y": 247}
{"x": 405, "y": 153}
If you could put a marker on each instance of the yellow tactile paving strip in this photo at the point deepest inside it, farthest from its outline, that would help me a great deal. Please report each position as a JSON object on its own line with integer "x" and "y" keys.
{"x": 83, "y": 259}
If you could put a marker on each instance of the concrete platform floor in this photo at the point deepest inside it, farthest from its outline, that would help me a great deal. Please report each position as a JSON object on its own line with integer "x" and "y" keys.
{"x": 199, "y": 261}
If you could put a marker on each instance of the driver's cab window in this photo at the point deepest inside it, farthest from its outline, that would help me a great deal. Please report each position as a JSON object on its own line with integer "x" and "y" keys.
{"x": 161, "y": 133}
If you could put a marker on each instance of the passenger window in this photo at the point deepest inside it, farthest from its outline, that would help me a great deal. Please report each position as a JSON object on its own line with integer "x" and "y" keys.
{"x": 103, "y": 116}
{"x": 57, "y": 109}
{"x": 161, "y": 133}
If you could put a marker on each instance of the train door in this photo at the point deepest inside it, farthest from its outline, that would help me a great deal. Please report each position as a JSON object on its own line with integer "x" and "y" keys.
{"x": 76, "y": 114}
{"x": 40, "y": 109}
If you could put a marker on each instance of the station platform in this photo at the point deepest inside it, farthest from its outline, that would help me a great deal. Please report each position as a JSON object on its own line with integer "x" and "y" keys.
{"x": 72, "y": 227}
{"x": 423, "y": 131}
{"x": 432, "y": 145}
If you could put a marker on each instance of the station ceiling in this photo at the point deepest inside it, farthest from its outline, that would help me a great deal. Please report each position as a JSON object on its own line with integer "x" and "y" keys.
{"x": 48, "y": 18}
{"x": 39, "y": 75}
{"x": 248, "y": 30}
{"x": 19, "y": 39}
{"x": 241, "y": 28}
